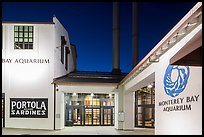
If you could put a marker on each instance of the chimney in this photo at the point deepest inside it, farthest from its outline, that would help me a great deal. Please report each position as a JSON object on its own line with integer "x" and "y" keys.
{"x": 135, "y": 36}
{"x": 116, "y": 39}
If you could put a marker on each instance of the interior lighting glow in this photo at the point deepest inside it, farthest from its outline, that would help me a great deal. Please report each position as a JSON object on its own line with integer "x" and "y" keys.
{"x": 74, "y": 94}
{"x": 149, "y": 86}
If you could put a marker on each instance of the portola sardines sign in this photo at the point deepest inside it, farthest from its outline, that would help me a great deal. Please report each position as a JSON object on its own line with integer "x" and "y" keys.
{"x": 29, "y": 107}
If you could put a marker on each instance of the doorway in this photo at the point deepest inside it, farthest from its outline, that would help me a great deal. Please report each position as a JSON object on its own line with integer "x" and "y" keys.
{"x": 92, "y": 117}
{"x": 75, "y": 116}
{"x": 107, "y": 116}
{"x": 85, "y": 110}
{"x": 3, "y": 109}
{"x": 145, "y": 108}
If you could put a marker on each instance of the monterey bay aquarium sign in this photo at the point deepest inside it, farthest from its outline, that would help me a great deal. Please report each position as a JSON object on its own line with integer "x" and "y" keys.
{"x": 29, "y": 107}
{"x": 173, "y": 87}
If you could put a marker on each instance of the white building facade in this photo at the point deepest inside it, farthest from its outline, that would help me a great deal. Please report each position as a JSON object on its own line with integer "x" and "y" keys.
{"x": 38, "y": 76}
{"x": 177, "y": 86}
{"x": 31, "y": 58}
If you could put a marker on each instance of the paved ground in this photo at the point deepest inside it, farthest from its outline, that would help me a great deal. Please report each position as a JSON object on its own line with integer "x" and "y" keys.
{"x": 79, "y": 130}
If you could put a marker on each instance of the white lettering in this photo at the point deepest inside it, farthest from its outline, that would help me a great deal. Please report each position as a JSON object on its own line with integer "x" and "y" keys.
{"x": 43, "y": 105}
{"x": 43, "y": 112}
{"x": 33, "y": 105}
{"x": 23, "y": 104}
{"x": 38, "y": 112}
{"x": 17, "y": 112}
{"x": 22, "y": 112}
{"x": 18, "y": 105}
{"x": 13, "y": 103}
{"x": 26, "y": 112}
{"x": 12, "y": 112}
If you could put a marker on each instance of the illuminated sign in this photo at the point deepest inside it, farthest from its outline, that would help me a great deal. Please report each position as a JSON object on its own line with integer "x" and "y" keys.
{"x": 29, "y": 107}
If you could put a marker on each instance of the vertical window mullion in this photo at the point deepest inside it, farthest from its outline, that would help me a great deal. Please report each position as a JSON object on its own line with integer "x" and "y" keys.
{"x": 23, "y": 38}
{"x": 32, "y": 36}
{"x": 18, "y": 36}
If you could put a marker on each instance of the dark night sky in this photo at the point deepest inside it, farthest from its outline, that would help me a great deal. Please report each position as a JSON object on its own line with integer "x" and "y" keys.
{"x": 89, "y": 25}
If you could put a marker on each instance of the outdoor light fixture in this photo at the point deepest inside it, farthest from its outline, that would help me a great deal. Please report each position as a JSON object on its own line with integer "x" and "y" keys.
{"x": 164, "y": 47}
{"x": 137, "y": 71}
{"x": 144, "y": 65}
{"x": 172, "y": 40}
{"x": 110, "y": 95}
{"x": 140, "y": 68}
{"x": 149, "y": 86}
{"x": 74, "y": 94}
{"x": 135, "y": 74}
{"x": 197, "y": 16}
{"x": 181, "y": 32}
{"x": 159, "y": 52}
{"x": 193, "y": 22}
{"x": 148, "y": 62}
{"x": 153, "y": 58}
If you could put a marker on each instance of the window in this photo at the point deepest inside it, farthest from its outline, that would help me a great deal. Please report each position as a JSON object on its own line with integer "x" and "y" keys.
{"x": 145, "y": 107}
{"x": 66, "y": 57}
{"x": 2, "y": 38}
{"x": 63, "y": 42}
{"x": 23, "y": 37}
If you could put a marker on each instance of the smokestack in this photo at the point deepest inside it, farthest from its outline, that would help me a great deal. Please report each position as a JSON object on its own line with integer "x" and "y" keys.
{"x": 135, "y": 36}
{"x": 116, "y": 38}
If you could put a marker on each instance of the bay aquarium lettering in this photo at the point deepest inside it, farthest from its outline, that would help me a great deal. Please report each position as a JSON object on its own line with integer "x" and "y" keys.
{"x": 26, "y": 61}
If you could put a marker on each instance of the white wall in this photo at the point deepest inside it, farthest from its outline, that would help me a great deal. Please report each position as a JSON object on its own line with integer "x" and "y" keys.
{"x": 183, "y": 122}
{"x": 86, "y": 88}
{"x": 76, "y": 89}
{"x": 60, "y": 110}
{"x": 31, "y": 80}
{"x": 129, "y": 110}
{"x": 179, "y": 122}
{"x": 59, "y": 68}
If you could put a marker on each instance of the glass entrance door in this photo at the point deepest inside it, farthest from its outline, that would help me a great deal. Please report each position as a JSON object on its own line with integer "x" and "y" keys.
{"x": 144, "y": 108}
{"x": 75, "y": 115}
{"x": 89, "y": 109}
{"x": 88, "y": 117}
{"x": 92, "y": 116}
{"x": 149, "y": 116}
{"x": 96, "y": 116}
{"x": 107, "y": 116}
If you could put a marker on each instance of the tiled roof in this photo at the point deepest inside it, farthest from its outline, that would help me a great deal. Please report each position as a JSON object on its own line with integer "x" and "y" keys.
{"x": 89, "y": 77}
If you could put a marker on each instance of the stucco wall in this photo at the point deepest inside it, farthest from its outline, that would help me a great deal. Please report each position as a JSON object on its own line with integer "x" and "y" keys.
{"x": 29, "y": 80}
{"x": 188, "y": 120}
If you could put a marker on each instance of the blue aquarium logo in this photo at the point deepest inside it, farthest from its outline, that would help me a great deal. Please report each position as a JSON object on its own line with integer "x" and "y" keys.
{"x": 173, "y": 87}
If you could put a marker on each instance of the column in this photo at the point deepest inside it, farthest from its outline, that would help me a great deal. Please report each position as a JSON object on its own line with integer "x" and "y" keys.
{"x": 129, "y": 110}
{"x": 119, "y": 119}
